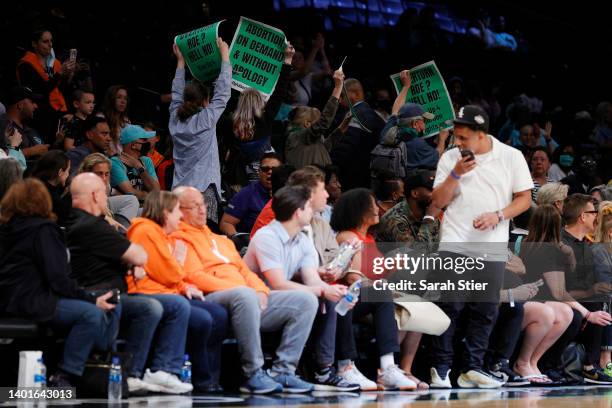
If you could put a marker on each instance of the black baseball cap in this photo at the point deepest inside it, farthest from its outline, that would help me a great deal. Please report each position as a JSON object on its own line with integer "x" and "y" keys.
{"x": 474, "y": 116}
{"x": 19, "y": 93}
{"x": 419, "y": 178}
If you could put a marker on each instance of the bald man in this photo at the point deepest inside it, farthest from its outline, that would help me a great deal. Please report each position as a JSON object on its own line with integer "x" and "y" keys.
{"x": 352, "y": 152}
{"x": 213, "y": 264}
{"x": 100, "y": 259}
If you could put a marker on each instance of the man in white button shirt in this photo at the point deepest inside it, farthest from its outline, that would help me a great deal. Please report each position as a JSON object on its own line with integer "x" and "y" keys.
{"x": 482, "y": 183}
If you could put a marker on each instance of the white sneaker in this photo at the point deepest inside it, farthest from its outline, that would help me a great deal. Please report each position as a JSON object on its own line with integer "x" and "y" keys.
{"x": 437, "y": 381}
{"x": 392, "y": 378}
{"x": 351, "y": 374}
{"x": 136, "y": 386}
{"x": 166, "y": 382}
{"x": 478, "y": 379}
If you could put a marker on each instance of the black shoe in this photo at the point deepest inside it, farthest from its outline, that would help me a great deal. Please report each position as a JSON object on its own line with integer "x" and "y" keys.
{"x": 327, "y": 380}
{"x": 559, "y": 377}
{"x": 61, "y": 379}
{"x": 502, "y": 371}
{"x": 596, "y": 376}
{"x": 209, "y": 389}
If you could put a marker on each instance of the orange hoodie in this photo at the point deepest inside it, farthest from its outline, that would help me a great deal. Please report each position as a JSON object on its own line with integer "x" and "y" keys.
{"x": 212, "y": 262}
{"x": 164, "y": 274}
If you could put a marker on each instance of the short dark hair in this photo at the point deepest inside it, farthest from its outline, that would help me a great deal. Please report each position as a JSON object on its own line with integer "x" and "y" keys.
{"x": 385, "y": 184}
{"x": 280, "y": 175}
{"x": 91, "y": 122}
{"x": 77, "y": 95}
{"x": 351, "y": 209}
{"x": 574, "y": 205}
{"x": 540, "y": 149}
{"x": 270, "y": 155}
{"x": 48, "y": 166}
{"x": 288, "y": 200}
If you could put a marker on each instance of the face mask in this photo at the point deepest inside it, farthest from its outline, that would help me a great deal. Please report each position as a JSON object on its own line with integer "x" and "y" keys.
{"x": 144, "y": 149}
{"x": 566, "y": 160}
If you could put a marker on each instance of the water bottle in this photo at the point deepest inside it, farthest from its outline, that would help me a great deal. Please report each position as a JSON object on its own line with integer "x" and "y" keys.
{"x": 114, "y": 381}
{"x": 344, "y": 256}
{"x": 40, "y": 375}
{"x": 353, "y": 293}
{"x": 186, "y": 370}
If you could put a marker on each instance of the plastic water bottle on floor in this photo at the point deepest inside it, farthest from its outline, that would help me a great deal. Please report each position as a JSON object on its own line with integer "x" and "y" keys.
{"x": 40, "y": 375}
{"x": 114, "y": 381}
{"x": 186, "y": 370}
{"x": 353, "y": 294}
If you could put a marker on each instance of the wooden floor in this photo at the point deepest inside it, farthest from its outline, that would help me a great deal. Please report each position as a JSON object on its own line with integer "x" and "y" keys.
{"x": 575, "y": 397}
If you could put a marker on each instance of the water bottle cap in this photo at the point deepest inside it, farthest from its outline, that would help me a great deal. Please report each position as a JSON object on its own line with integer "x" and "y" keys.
{"x": 115, "y": 360}
{"x": 349, "y": 297}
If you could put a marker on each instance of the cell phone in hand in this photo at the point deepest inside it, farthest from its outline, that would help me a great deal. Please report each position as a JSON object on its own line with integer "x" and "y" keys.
{"x": 116, "y": 296}
{"x": 467, "y": 153}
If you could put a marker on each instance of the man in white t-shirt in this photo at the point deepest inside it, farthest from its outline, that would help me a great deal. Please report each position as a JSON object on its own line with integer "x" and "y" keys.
{"x": 482, "y": 183}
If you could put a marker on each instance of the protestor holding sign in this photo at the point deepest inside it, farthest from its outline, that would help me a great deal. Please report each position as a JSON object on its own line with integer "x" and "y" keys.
{"x": 193, "y": 122}
{"x": 253, "y": 119}
{"x": 352, "y": 152}
{"x": 407, "y": 125}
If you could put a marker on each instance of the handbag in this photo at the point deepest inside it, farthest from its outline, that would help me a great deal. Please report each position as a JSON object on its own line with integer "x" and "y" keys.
{"x": 94, "y": 381}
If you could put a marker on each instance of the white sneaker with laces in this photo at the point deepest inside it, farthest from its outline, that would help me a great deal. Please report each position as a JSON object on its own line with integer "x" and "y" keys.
{"x": 136, "y": 386}
{"x": 393, "y": 378}
{"x": 351, "y": 374}
{"x": 166, "y": 382}
{"x": 437, "y": 381}
{"x": 478, "y": 379}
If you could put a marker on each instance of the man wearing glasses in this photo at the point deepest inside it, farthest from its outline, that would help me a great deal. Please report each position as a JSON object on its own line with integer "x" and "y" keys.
{"x": 579, "y": 214}
{"x": 245, "y": 206}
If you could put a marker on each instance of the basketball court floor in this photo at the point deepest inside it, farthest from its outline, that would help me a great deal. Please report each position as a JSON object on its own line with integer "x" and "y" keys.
{"x": 531, "y": 397}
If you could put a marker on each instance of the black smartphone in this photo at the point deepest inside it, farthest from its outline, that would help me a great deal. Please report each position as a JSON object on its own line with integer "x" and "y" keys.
{"x": 114, "y": 299}
{"x": 467, "y": 153}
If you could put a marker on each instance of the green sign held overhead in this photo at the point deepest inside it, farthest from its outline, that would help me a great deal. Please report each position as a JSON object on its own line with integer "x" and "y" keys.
{"x": 199, "y": 48}
{"x": 257, "y": 53}
{"x": 429, "y": 90}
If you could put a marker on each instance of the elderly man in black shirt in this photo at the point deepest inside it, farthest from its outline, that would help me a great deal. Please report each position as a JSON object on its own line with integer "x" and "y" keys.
{"x": 100, "y": 258}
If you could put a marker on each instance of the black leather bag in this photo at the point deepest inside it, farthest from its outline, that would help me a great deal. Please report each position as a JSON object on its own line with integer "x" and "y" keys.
{"x": 94, "y": 382}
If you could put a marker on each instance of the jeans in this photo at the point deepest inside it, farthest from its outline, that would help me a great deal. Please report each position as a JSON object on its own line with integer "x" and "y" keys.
{"x": 383, "y": 313}
{"x": 482, "y": 318}
{"x": 323, "y": 334}
{"x": 507, "y": 331}
{"x": 87, "y": 327}
{"x": 171, "y": 334}
{"x": 207, "y": 330}
{"x": 291, "y": 311}
{"x": 140, "y": 315}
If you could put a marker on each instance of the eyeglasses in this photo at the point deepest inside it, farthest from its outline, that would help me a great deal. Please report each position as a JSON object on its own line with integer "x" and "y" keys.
{"x": 590, "y": 212}
{"x": 265, "y": 169}
{"x": 196, "y": 206}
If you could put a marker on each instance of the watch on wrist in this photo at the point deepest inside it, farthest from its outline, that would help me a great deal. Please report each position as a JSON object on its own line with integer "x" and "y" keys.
{"x": 500, "y": 216}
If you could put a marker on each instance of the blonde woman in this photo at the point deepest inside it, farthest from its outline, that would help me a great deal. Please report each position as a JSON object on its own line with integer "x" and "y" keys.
{"x": 602, "y": 259}
{"x": 553, "y": 194}
{"x": 253, "y": 117}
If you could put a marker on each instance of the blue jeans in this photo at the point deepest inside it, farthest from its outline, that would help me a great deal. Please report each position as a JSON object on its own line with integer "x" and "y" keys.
{"x": 171, "y": 334}
{"x": 207, "y": 330}
{"x": 140, "y": 315}
{"x": 87, "y": 327}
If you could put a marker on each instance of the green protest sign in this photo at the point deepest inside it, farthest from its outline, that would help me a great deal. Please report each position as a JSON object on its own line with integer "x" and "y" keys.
{"x": 257, "y": 53}
{"x": 429, "y": 90}
{"x": 199, "y": 48}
